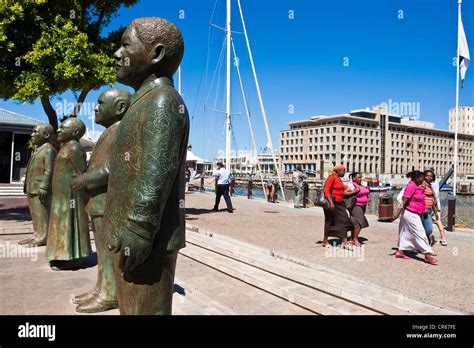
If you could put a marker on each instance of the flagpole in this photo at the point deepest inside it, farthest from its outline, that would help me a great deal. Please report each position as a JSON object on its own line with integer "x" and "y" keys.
{"x": 455, "y": 173}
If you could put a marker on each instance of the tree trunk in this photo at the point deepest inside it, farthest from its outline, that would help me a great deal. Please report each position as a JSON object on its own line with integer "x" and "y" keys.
{"x": 50, "y": 112}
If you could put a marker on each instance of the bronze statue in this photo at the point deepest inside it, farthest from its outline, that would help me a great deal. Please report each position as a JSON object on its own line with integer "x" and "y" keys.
{"x": 144, "y": 217}
{"x": 111, "y": 106}
{"x": 38, "y": 183}
{"x": 68, "y": 234}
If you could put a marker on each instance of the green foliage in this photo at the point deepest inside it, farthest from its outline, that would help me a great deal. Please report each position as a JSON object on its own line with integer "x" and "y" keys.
{"x": 51, "y": 46}
{"x": 63, "y": 58}
{"x": 29, "y": 145}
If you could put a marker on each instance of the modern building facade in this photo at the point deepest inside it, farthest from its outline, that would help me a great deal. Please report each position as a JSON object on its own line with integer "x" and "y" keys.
{"x": 372, "y": 142}
{"x": 15, "y": 131}
{"x": 465, "y": 120}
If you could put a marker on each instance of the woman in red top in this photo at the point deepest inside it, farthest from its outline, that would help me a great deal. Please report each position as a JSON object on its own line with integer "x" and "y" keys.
{"x": 336, "y": 220}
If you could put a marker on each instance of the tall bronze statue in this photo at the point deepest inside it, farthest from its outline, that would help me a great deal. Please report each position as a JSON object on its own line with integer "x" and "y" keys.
{"x": 68, "y": 234}
{"x": 111, "y": 106}
{"x": 38, "y": 183}
{"x": 144, "y": 216}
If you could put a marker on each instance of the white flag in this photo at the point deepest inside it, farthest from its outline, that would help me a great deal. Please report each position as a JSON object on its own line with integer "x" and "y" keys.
{"x": 464, "y": 57}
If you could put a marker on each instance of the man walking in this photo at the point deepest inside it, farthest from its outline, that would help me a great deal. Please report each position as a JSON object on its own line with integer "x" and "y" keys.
{"x": 298, "y": 178}
{"x": 223, "y": 182}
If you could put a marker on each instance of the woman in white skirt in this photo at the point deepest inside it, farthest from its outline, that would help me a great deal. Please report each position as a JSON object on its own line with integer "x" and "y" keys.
{"x": 412, "y": 235}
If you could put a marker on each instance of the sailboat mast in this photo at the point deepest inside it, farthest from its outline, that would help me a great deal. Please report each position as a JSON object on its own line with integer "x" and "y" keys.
{"x": 227, "y": 111}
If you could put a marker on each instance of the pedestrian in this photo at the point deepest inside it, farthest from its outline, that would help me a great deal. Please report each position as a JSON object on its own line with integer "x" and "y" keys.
{"x": 271, "y": 190}
{"x": 222, "y": 176}
{"x": 336, "y": 220}
{"x": 187, "y": 178}
{"x": 412, "y": 235}
{"x": 433, "y": 207}
{"x": 357, "y": 212}
{"x": 396, "y": 215}
{"x": 298, "y": 179}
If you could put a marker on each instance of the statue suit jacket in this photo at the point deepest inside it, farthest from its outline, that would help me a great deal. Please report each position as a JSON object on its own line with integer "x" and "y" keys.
{"x": 146, "y": 173}
{"x": 39, "y": 170}
{"x": 96, "y": 177}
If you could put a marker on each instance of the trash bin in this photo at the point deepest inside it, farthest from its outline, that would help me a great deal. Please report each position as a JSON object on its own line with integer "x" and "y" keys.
{"x": 385, "y": 208}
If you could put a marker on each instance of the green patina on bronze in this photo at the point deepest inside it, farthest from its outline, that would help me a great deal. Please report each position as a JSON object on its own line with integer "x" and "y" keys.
{"x": 145, "y": 218}
{"x": 68, "y": 234}
{"x": 39, "y": 172}
{"x": 111, "y": 106}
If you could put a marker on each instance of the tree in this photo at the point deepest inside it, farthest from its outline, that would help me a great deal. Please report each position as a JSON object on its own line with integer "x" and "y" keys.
{"x": 52, "y": 46}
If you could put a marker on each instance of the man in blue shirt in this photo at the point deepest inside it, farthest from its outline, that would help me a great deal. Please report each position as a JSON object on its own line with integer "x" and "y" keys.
{"x": 223, "y": 182}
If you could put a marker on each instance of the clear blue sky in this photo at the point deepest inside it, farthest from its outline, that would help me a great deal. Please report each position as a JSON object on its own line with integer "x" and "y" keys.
{"x": 300, "y": 61}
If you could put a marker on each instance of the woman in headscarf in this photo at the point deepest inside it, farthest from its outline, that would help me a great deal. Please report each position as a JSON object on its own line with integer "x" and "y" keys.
{"x": 412, "y": 235}
{"x": 336, "y": 220}
{"x": 357, "y": 212}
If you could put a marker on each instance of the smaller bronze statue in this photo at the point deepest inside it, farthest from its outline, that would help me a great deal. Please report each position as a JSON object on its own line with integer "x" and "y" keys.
{"x": 111, "y": 106}
{"x": 68, "y": 234}
{"x": 38, "y": 183}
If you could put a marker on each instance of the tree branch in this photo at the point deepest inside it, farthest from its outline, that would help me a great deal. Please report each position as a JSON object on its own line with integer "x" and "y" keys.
{"x": 80, "y": 101}
{"x": 50, "y": 112}
{"x": 97, "y": 24}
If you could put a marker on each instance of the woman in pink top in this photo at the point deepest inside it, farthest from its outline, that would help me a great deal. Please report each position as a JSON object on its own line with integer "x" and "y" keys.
{"x": 358, "y": 211}
{"x": 412, "y": 236}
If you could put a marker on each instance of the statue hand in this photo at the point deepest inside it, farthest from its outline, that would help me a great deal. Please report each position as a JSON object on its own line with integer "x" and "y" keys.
{"x": 77, "y": 183}
{"x": 134, "y": 250}
{"x": 42, "y": 194}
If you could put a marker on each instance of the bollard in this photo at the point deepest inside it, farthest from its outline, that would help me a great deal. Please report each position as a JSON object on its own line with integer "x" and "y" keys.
{"x": 451, "y": 213}
{"x": 275, "y": 195}
{"x": 305, "y": 194}
{"x": 201, "y": 187}
{"x": 232, "y": 186}
{"x": 249, "y": 188}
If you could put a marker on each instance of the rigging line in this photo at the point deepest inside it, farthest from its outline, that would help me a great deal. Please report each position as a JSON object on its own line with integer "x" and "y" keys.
{"x": 210, "y": 37}
{"x": 260, "y": 99}
{"x": 219, "y": 77}
{"x": 209, "y": 40}
{"x": 218, "y": 73}
{"x": 247, "y": 110}
{"x": 219, "y": 62}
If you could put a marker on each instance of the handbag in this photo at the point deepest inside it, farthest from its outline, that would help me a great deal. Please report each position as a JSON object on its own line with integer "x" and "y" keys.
{"x": 350, "y": 202}
{"x": 321, "y": 200}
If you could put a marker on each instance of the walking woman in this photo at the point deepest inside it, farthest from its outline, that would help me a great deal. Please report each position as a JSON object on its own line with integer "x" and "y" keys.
{"x": 430, "y": 206}
{"x": 358, "y": 218}
{"x": 412, "y": 235}
{"x": 336, "y": 220}
{"x": 432, "y": 200}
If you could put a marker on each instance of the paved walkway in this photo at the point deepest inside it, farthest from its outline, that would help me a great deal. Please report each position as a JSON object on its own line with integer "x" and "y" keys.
{"x": 29, "y": 287}
{"x": 298, "y": 233}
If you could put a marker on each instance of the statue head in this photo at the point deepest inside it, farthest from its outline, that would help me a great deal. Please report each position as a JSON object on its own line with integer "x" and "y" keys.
{"x": 71, "y": 128}
{"x": 111, "y": 106}
{"x": 149, "y": 45}
{"x": 41, "y": 134}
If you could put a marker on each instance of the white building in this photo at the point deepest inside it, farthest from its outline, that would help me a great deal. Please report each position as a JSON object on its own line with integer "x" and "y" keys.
{"x": 245, "y": 162}
{"x": 465, "y": 120}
